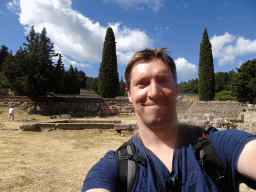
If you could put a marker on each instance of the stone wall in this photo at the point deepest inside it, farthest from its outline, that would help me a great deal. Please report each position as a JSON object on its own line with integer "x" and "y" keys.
{"x": 223, "y": 115}
{"x": 16, "y": 101}
{"x": 118, "y": 106}
{"x": 77, "y": 105}
{"x": 218, "y": 108}
{"x": 191, "y": 110}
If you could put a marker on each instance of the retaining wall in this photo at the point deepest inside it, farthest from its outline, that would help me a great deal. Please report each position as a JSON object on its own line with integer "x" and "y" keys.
{"x": 218, "y": 108}
{"x": 81, "y": 105}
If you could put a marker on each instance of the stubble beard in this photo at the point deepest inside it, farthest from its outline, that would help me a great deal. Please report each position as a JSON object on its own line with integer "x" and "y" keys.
{"x": 161, "y": 117}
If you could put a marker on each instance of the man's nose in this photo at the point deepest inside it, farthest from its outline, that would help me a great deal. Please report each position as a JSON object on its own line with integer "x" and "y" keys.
{"x": 155, "y": 90}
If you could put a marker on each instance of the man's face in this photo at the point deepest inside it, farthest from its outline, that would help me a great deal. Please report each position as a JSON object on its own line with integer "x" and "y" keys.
{"x": 153, "y": 92}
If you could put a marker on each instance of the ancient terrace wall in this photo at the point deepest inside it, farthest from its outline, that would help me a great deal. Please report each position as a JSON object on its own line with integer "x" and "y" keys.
{"x": 121, "y": 106}
{"x": 78, "y": 105}
{"x": 220, "y": 109}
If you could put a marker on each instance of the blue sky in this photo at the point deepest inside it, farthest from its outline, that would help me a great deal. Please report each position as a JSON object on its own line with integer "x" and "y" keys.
{"x": 77, "y": 28}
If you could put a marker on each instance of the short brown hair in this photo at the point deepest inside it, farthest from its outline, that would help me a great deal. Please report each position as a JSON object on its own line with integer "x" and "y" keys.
{"x": 148, "y": 55}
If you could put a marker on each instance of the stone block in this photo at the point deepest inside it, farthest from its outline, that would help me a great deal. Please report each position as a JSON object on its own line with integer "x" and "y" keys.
{"x": 65, "y": 116}
{"x": 30, "y": 127}
{"x": 133, "y": 126}
{"x": 198, "y": 117}
{"x": 121, "y": 127}
{"x": 208, "y": 116}
{"x": 79, "y": 126}
{"x": 46, "y": 125}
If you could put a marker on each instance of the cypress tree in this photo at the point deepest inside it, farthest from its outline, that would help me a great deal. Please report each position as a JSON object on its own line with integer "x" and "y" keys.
{"x": 206, "y": 81}
{"x": 108, "y": 80}
{"x": 122, "y": 86}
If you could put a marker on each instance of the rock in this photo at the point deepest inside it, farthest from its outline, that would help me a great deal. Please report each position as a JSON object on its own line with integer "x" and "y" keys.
{"x": 30, "y": 127}
{"x": 65, "y": 116}
{"x": 208, "y": 116}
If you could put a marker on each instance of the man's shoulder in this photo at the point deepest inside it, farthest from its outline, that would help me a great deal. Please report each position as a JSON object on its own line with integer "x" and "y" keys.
{"x": 103, "y": 174}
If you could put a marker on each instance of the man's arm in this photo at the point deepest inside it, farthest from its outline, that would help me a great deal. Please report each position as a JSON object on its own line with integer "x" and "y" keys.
{"x": 247, "y": 161}
{"x": 98, "y": 190}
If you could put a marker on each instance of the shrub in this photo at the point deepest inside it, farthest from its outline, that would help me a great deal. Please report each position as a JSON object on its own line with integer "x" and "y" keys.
{"x": 224, "y": 96}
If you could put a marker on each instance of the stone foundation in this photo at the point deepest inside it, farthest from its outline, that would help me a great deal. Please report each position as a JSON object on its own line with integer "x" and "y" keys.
{"x": 118, "y": 125}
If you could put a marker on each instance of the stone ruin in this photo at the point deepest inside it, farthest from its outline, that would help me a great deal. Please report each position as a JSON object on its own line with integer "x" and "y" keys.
{"x": 221, "y": 115}
{"x": 121, "y": 126}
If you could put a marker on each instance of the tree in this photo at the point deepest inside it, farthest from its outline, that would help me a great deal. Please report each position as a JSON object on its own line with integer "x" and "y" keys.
{"x": 4, "y": 83}
{"x": 70, "y": 81}
{"x": 15, "y": 69}
{"x": 81, "y": 79}
{"x": 59, "y": 73}
{"x": 206, "y": 71}
{"x": 92, "y": 83}
{"x": 244, "y": 84}
{"x": 231, "y": 78}
{"x": 73, "y": 81}
{"x": 30, "y": 71}
{"x": 224, "y": 96}
{"x": 3, "y": 54}
{"x": 108, "y": 80}
{"x": 221, "y": 81}
{"x": 188, "y": 87}
{"x": 122, "y": 86}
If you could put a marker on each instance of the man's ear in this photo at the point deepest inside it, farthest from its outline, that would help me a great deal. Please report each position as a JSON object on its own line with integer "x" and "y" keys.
{"x": 129, "y": 94}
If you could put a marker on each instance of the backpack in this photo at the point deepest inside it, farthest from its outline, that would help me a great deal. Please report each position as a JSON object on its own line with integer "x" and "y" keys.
{"x": 210, "y": 162}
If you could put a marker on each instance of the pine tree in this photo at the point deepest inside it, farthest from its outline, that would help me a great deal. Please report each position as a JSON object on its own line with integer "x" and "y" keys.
{"x": 3, "y": 54}
{"x": 31, "y": 38}
{"x": 59, "y": 73}
{"x": 16, "y": 70}
{"x": 206, "y": 70}
{"x": 30, "y": 71}
{"x": 81, "y": 78}
{"x": 108, "y": 80}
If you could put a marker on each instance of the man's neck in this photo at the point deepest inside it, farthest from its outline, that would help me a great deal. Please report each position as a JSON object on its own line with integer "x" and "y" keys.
{"x": 162, "y": 134}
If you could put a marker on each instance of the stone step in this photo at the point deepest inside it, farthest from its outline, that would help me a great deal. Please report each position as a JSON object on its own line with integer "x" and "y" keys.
{"x": 79, "y": 126}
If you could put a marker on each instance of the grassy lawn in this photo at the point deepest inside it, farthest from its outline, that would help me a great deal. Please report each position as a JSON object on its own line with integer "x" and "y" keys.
{"x": 50, "y": 160}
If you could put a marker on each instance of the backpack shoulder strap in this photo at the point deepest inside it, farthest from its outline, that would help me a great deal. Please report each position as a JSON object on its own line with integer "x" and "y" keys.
{"x": 128, "y": 164}
{"x": 207, "y": 156}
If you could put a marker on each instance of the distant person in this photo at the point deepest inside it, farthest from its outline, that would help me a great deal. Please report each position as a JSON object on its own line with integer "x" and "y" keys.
{"x": 164, "y": 149}
{"x": 11, "y": 113}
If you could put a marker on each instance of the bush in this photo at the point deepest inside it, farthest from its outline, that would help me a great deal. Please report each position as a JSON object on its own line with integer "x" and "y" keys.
{"x": 224, "y": 96}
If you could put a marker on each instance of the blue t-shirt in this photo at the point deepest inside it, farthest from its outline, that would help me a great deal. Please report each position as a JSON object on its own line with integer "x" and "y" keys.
{"x": 228, "y": 144}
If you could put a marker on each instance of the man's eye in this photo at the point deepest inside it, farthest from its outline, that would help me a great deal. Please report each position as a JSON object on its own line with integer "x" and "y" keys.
{"x": 163, "y": 81}
{"x": 142, "y": 83}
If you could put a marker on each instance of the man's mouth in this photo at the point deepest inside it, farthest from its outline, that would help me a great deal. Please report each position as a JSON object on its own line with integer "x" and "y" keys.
{"x": 155, "y": 104}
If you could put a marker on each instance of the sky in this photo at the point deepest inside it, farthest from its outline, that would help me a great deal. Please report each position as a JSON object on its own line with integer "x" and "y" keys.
{"x": 78, "y": 28}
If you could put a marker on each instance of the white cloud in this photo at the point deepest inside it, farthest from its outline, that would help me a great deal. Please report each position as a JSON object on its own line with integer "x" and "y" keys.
{"x": 75, "y": 35}
{"x": 227, "y": 47}
{"x": 67, "y": 62}
{"x": 240, "y": 63}
{"x": 14, "y": 5}
{"x": 133, "y": 4}
{"x": 186, "y": 69}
